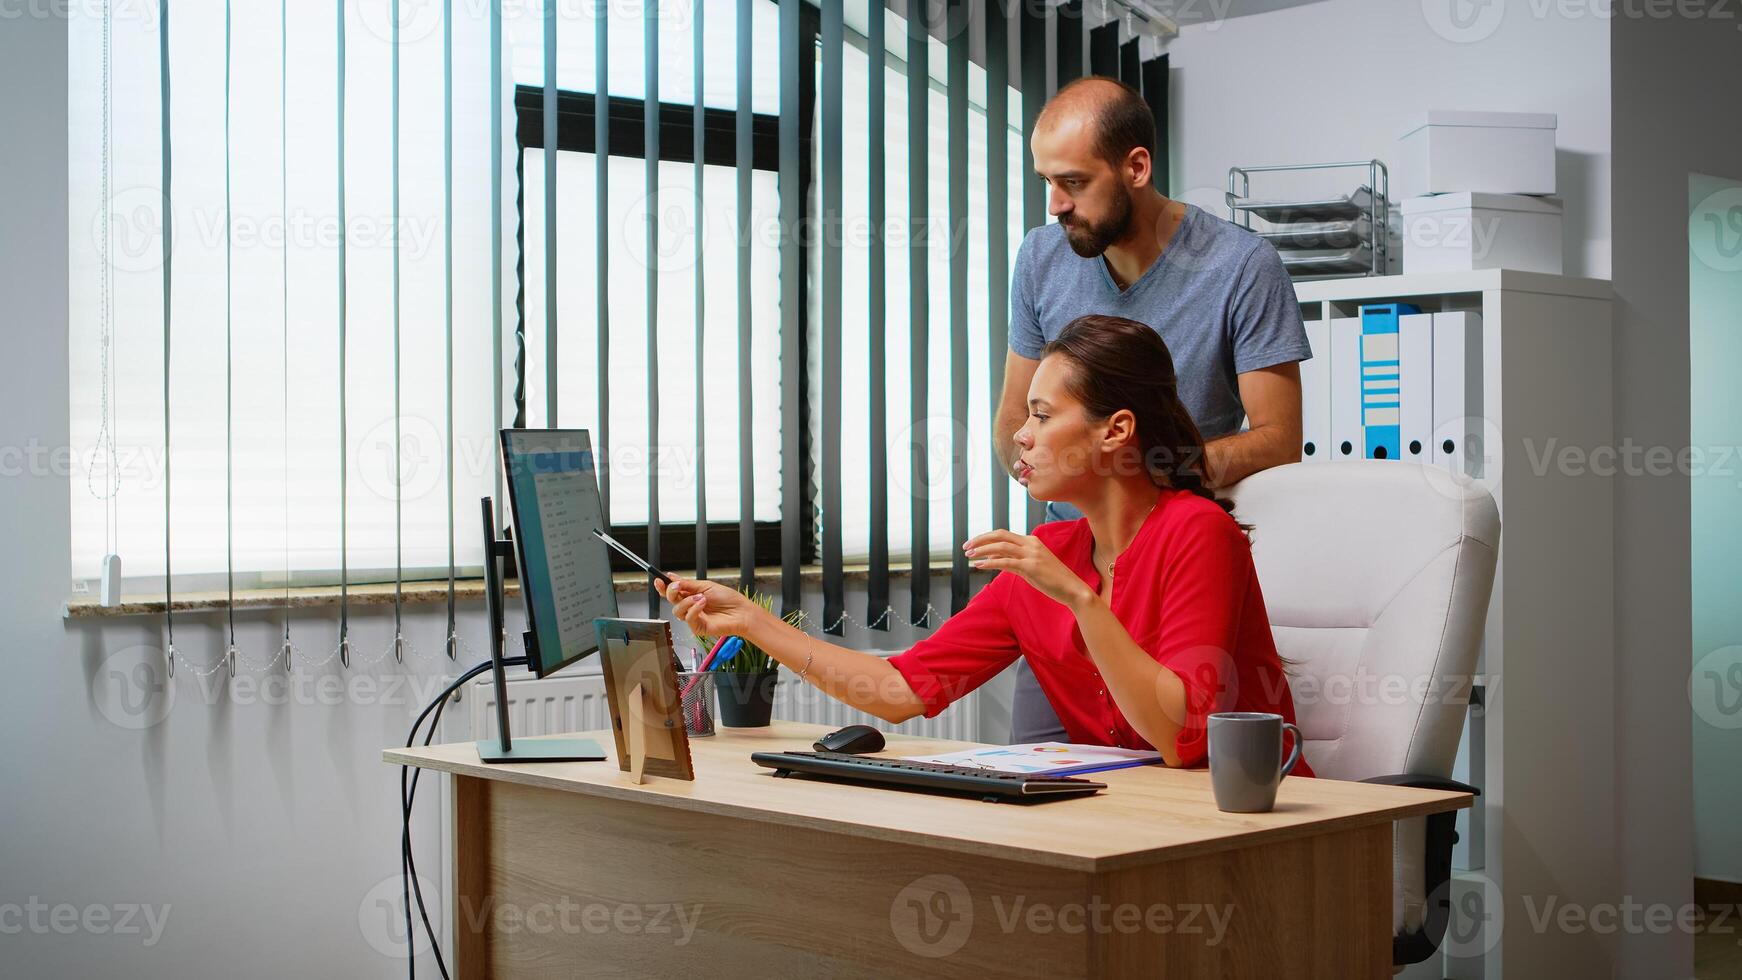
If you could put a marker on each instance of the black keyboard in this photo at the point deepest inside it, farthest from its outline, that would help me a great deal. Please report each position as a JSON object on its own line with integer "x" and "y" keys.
{"x": 988, "y": 784}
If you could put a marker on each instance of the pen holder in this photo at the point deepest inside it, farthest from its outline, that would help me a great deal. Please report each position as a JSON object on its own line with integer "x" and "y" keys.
{"x": 697, "y": 690}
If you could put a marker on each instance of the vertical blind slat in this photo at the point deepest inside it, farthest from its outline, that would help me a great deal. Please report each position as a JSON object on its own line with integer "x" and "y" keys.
{"x": 398, "y": 484}
{"x": 1104, "y": 50}
{"x": 997, "y": 231}
{"x": 746, "y": 472}
{"x": 919, "y": 284}
{"x": 165, "y": 163}
{"x": 602, "y": 250}
{"x": 792, "y": 509}
{"x": 831, "y": 329}
{"x": 344, "y": 314}
{"x": 1131, "y": 64}
{"x": 877, "y": 586}
{"x": 650, "y": 136}
{"x": 447, "y": 295}
{"x": 1070, "y": 42}
{"x": 495, "y": 251}
{"x": 1155, "y": 93}
{"x": 1033, "y": 23}
{"x": 956, "y": 136}
{"x": 698, "y": 130}
{"x": 550, "y": 216}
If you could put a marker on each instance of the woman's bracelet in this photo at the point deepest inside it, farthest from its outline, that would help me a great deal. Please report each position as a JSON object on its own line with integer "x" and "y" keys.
{"x": 809, "y": 652}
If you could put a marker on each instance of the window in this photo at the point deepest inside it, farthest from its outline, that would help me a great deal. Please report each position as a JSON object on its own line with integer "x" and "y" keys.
{"x": 254, "y": 481}
{"x": 717, "y": 391}
{"x": 857, "y": 241}
{"x": 621, "y": 226}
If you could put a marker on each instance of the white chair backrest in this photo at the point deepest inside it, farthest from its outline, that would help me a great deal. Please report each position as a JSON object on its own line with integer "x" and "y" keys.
{"x": 1376, "y": 575}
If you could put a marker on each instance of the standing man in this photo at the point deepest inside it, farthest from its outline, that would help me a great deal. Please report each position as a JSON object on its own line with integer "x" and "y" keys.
{"x": 1216, "y": 293}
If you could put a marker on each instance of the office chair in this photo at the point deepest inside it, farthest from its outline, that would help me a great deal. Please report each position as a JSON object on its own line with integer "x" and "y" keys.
{"x": 1370, "y": 570}
{"x": 1373, "y": 570}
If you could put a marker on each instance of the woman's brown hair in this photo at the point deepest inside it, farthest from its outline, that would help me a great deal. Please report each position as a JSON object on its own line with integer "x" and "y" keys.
{"x": 1122, "y": 364}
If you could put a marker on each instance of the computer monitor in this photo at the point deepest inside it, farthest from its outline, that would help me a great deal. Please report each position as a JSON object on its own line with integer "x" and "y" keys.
{"x": 565, "y": 572}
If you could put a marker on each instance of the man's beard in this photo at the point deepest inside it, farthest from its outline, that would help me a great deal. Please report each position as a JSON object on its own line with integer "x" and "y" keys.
{"x": 1089, "y": 240}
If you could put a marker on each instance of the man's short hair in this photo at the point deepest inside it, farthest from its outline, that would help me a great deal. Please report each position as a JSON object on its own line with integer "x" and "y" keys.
{"x": 1123, "y": 120}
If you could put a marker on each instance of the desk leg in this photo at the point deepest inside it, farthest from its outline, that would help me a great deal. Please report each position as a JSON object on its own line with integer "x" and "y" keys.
{"x": 1314, "y": 907}
{"x": 473, "y": 850}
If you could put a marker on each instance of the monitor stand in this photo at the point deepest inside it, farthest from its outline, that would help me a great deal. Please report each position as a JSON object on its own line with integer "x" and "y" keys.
{"x": 505, "y": 748}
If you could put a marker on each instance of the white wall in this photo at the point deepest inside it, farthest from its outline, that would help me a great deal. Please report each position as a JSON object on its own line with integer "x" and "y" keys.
{"x": 1341, "y": 80}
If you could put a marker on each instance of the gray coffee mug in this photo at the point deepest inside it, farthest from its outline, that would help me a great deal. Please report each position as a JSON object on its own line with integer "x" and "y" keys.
{"x": 1246, "y": 759}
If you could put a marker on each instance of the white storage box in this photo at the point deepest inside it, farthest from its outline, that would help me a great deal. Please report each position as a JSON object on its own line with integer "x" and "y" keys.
{"x": 1459, "y": 232}
{"x": 1489, "y": 152}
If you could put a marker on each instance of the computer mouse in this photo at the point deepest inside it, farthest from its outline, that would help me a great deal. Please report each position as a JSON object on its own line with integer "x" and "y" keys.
{"x": 854, "y": 738}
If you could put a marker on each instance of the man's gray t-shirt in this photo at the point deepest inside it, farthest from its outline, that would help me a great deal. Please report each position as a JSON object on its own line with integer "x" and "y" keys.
{"x": 1218, "y": 295}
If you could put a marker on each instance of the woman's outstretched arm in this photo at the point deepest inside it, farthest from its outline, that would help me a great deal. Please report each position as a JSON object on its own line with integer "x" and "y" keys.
{"x": 860, "y": 680}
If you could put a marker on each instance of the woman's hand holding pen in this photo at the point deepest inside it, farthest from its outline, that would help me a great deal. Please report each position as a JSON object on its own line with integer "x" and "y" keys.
{"x": 862, "y": 680}
{"x": 712, "y": 609}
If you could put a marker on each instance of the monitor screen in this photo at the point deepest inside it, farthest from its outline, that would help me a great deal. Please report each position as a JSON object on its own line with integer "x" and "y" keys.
{"x": 565, "y": 574}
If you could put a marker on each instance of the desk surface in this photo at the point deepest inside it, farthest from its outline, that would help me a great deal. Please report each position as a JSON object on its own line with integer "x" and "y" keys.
{"x": 1146, "y": 815}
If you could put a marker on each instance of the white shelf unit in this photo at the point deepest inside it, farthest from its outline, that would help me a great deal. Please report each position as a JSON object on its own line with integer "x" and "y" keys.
{"x": 1541, "y": 747}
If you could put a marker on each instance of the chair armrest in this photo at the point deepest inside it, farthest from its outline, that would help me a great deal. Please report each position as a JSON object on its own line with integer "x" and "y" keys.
{"x": 1424, "y": 782}
{"x": 1442, "y": 833}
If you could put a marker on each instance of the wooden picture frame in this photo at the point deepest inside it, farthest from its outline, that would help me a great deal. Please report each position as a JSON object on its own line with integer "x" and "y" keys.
{"x": 640, "y": 670}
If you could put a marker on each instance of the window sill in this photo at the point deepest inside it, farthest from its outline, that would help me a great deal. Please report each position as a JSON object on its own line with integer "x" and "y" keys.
{"x": 418, "y": 593}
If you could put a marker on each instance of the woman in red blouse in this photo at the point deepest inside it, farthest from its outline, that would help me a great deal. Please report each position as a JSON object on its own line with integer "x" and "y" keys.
{"x": 1140, "y": 619}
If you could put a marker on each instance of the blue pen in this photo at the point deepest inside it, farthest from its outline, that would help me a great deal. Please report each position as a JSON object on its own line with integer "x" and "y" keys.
{"x": 727, "y": 652}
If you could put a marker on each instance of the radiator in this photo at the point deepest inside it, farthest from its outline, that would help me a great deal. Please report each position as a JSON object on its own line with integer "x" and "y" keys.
{"x": 576, "y": 703}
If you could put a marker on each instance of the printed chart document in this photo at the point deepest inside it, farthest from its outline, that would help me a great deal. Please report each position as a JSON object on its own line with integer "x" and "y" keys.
{"x": 1046, "y": 758}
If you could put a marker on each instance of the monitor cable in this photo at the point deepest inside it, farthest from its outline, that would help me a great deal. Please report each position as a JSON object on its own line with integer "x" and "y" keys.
{"x": 408, "y": 795}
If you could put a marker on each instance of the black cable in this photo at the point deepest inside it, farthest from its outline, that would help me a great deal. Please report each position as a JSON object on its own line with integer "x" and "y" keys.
{"x": 408, "y": 860}
{"x": 408, "y": 795}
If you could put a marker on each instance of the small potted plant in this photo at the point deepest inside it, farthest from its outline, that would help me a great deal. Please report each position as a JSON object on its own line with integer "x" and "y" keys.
{"x": 746, "y": 682}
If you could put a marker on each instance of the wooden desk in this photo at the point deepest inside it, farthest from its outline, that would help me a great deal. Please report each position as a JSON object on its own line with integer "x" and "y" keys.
{"x": 567, "y": 869}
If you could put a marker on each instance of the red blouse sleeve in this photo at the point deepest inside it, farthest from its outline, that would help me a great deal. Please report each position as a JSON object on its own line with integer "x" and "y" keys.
{"x": 969, "y": 649}
{"x": 1204, "y": 579}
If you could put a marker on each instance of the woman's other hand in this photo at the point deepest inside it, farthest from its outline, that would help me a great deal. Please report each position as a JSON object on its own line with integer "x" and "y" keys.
{"x": 1025, "y": 555}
